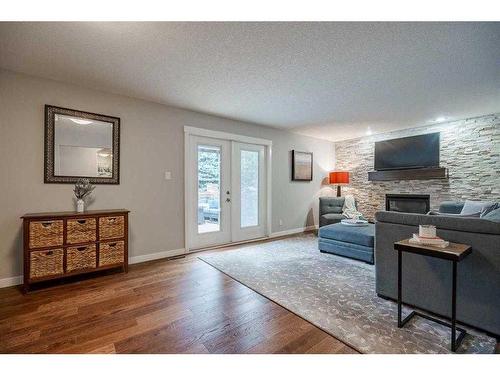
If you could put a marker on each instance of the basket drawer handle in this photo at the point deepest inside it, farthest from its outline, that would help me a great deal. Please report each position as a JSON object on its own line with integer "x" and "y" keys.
{"x": 111, "y": 219}
{"x": 82, "y": 248}
{"x": 50, "y": 252}
{"x": 112, "y": 244}
{"x": 47, "y": 224}
{"x": 81, "y": 221}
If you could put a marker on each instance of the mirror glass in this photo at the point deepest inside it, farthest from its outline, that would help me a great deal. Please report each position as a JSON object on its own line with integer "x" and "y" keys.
{"x": 83, "y": 147}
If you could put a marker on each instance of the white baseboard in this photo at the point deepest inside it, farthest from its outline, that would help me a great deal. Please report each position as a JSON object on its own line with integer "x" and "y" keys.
{"x": 10, "y": 281}
{"x": 17, "y": 280}
{"x": 293, "y": 231}
{"x": 154, "y": 256}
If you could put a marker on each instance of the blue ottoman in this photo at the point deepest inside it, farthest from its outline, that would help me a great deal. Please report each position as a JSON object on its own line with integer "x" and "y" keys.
{"x": 348, "y": 241}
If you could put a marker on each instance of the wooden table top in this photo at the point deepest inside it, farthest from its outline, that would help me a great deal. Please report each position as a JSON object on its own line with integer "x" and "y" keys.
{"x": 39, "y": 215}
{"x": 454, "y": 251}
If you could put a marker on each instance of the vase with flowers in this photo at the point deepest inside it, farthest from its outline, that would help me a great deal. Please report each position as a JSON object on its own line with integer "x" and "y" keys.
{"x": 82, "y": 189}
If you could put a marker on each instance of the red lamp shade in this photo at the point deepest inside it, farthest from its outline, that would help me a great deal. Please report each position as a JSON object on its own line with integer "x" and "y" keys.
{"x": 339, "y": 177}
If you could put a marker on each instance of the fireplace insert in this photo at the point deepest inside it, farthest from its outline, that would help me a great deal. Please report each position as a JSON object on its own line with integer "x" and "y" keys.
{"x": 412, "y": 203}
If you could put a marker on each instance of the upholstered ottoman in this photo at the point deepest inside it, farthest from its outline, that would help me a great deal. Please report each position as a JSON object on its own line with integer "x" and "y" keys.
{"x": 348, "y": 241}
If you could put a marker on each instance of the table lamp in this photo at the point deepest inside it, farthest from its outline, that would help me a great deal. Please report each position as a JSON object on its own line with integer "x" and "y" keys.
{"x": 339, "y": 178}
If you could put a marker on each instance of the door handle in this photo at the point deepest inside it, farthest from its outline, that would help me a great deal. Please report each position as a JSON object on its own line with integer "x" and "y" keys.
{"x": 228, "y": 199}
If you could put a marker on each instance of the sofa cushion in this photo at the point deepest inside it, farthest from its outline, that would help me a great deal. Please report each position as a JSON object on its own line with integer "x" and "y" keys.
{"x": 358, "y": 235}
{"x": 493, "y": 215}
{"x": 458, "y": 223}
{"x": 333, "y": 216}
{"x": 475, "y": 207}
{"x": 451, "y": 207}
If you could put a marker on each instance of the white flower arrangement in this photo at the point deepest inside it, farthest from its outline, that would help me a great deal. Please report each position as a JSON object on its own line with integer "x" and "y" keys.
{"x": 83, "y": 188}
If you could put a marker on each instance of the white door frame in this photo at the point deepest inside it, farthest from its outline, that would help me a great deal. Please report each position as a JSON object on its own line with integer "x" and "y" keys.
{"x": 189, "y": 130}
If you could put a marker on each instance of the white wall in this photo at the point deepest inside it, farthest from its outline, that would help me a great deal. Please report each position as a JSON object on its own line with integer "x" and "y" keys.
{"x": 152, "y": 142}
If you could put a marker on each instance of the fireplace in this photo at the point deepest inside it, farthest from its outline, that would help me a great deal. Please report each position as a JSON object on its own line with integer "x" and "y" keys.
{"x": 413, "y": 203}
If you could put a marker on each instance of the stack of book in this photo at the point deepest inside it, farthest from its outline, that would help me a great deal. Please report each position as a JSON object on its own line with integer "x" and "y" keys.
{"x": 432, "y": 241}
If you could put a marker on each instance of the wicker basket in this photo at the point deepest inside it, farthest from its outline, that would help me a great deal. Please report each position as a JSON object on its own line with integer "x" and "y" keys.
{"x": 111, "y": 253}
{"x": 46, "y": 233}
{"x": 46, "y": 263}
{"x": 81, "y": 230}
{"x": 81, "y": 257}
{"x": 111, "y": 227}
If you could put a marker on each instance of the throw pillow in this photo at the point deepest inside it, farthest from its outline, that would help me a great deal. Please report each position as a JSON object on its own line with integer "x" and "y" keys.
{"x": 475, "y": 207}
{"x": 493, "y": 216}
{"x": 487, "y": 210}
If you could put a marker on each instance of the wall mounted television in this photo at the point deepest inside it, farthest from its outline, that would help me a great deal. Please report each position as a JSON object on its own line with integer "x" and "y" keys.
{"x": 420, "y": 151}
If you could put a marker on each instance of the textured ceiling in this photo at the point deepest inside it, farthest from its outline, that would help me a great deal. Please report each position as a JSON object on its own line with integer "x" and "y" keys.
{"x": 329, "y": 80}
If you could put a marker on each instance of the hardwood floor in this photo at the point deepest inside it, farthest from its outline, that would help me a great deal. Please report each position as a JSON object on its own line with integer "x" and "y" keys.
{"x": 166, "y": 306}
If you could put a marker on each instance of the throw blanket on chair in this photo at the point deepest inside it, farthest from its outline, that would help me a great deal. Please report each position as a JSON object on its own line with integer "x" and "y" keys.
{"x": 349, "y": 210}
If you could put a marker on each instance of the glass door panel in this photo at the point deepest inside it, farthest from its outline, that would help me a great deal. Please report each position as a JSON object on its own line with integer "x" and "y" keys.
{"x": 248, "y": 208}
{"x": 249, "y": 188}
{"x": 209, "y": 183}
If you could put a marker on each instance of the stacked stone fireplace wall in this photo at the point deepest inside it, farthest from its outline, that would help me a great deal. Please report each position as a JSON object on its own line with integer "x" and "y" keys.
{"x": 470, "y": 149}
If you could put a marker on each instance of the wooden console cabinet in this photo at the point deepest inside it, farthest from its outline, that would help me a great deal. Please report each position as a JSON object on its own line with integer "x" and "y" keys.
{"x": 62, "y": 244}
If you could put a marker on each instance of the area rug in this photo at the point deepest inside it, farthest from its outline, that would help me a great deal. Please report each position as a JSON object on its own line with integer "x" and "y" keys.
{"x": 337, "y": 295}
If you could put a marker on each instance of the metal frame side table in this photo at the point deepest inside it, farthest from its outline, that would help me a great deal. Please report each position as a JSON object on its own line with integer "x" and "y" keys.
{"x": 455, "y": 253}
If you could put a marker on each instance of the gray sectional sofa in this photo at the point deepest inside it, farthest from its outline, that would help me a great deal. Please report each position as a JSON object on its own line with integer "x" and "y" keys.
{"x": 427, "y": 281}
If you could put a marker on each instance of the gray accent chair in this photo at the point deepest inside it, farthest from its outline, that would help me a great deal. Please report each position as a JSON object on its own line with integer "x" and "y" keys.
{"x": 427, "y": 281}
{"x": 330, "y": 210}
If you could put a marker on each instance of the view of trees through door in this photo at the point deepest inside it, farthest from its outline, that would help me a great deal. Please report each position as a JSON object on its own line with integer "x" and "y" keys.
{"x": 208, "y": 188}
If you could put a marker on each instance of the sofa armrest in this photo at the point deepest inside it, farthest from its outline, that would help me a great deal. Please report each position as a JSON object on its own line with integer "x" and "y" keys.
{"x": 461, "y": 224}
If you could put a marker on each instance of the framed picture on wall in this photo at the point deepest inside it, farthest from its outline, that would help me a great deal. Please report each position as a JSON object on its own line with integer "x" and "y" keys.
{"x": 302, "y": 166}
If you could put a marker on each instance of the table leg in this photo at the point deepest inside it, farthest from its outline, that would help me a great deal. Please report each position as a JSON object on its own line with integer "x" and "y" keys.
{"x": 399, "y": 288}
{"x": 454, "y": 308}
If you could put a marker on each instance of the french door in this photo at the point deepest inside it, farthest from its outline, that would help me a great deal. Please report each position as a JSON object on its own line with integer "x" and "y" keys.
{"x": 226, "y": 192}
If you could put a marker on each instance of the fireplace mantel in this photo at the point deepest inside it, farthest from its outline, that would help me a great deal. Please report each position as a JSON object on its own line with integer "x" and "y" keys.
{"x": 408, "y": 174}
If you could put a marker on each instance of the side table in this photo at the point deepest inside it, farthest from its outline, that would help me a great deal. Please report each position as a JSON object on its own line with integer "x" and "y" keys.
{"x": 455, "y": 253}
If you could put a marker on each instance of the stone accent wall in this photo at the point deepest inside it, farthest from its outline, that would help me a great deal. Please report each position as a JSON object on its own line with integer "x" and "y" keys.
{"x": 470, "y": 149}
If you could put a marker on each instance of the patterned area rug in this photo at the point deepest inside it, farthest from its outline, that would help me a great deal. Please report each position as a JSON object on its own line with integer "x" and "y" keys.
{"x": 337, "y": 295}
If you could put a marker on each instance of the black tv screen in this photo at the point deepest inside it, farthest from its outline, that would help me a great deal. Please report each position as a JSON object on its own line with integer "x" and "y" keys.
{"x": 420, "y": 151}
